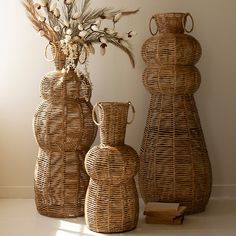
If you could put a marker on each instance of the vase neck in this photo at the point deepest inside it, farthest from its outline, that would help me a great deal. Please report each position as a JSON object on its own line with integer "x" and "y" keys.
{"x": 59, "y": 56}
{"x": 170, "y": 22}
{"x": 114, "y": 121}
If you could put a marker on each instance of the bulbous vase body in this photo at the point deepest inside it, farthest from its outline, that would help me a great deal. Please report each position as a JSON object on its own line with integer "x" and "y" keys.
{"x": 174, "y": 165}
{"x": 64, "y": 130}
{"x": 111, "y": 204}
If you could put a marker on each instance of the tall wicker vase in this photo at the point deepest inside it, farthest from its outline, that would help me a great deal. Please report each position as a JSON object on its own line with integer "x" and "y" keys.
{"x": 64, "y": 130}
{"x": 111, "y": 203}
{"x": 174, "y": 162}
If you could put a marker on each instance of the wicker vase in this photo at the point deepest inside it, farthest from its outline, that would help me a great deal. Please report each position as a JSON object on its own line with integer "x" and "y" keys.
{"x": 64, "y": 130}
{"x": 174, "y": 162}
{"x": 111, "y": 203}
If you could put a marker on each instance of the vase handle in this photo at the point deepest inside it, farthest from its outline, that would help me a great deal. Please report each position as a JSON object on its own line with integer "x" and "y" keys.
{"x": 46, "y": 52}
{"x": 133, "y": 110}
{"x": 150, "y": 26}
{"x": 185, "y": 20}
{"x": 98, "y": 105}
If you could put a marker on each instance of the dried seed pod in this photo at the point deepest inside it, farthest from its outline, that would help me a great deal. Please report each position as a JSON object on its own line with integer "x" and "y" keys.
{"x": 41, "y": 18}
{"x": 52, "y": 6}
{"x": 66, "y": 23}
{"x": 56, "y": 13}
{"x": 117, "y": 17}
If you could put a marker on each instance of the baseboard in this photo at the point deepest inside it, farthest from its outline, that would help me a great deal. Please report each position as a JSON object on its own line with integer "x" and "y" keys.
{"x": 24, "y": 192}
{"x": 223, "y": 191}
{"x": 218, "y": 191}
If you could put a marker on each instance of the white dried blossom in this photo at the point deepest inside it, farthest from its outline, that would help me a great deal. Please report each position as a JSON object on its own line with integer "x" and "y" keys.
{"x": 94, "y": 27}
{"x": 83, "y": 33}
{"x": 57, "y": 28}
{"x": 56, "y": 13}
{"x": 41, "y": 18}
{"x": 67, "y": 38}
{"x": 80, "y": 27}
{"x": 69, "y": 31}
{"x": 117, "y": 17}
{"x": 103, "y": 40}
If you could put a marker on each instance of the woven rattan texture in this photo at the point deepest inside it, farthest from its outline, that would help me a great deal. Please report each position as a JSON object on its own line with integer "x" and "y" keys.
{"x": 111, "y": 204}
{"x": 175, "y": 166}
{"x": 64, "y": 130}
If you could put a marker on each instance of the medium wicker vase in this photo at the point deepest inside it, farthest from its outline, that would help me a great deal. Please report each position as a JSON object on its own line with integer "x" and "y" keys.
{"x": 111, "y": 204}
{"x": 174, "y": 161}
{"x": 64, "y": 130}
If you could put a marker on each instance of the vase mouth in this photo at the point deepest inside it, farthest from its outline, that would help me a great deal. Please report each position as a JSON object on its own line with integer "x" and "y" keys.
{"x": 171, "y": 14}
{"x": 114, "y": 103}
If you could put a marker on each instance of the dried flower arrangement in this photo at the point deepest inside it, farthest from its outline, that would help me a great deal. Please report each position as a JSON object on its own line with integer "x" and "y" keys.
{"x": 77, "y": 27}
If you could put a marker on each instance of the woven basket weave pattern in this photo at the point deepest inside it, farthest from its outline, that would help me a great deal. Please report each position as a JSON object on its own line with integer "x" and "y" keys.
{"x": 112, "y": 201}
{"x": 174, "y": 161}
{"x": 64, "y": 130}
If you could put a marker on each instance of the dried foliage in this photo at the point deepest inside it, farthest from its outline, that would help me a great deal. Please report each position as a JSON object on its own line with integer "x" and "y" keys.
{"x": 78, "y": 27}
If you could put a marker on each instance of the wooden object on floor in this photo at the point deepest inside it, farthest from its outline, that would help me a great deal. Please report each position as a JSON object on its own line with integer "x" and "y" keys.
{"x": 164, "y": 213}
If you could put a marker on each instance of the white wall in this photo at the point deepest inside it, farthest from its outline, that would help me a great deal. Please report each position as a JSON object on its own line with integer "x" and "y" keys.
{"x": 22, "y": 66}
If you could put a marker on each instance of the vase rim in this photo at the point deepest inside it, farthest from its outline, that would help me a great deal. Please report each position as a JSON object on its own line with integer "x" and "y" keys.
{"x": 113, "y": 103}
{"x": 171, "y": 14}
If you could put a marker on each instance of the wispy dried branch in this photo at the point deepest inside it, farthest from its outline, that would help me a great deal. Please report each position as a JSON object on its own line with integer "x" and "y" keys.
{"x": 39, "y": 25}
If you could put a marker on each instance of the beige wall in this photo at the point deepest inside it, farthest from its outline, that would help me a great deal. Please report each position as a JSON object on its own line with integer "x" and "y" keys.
{"x": 22, "y": 66}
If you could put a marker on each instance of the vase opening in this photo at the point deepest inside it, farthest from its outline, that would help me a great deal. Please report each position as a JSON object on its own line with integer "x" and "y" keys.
{"x": 170, "y": 22}
{"x": 113, "y": 123}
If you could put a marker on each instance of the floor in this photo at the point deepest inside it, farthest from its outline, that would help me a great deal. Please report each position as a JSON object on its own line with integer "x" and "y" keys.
{"x": 20, "y": 218}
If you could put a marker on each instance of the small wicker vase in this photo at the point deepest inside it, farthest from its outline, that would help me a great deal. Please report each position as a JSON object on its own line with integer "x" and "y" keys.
{"x": 64, "y": 130}
{"x": 111, "y": 204}
{"x": 174, "y": 162}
